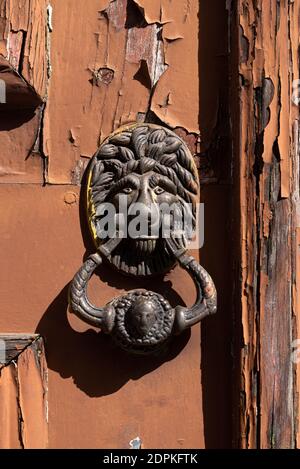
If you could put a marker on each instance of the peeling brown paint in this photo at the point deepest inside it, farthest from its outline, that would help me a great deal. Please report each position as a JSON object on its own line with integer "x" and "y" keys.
{"x": 160, "y": 59}
{"x": 134, "y": 80}
{"x": 103, "y": 75}
{"x": 23, "y": 40}
{"x": 181, "y": 77}
{"x": 268, "y": 64}
{"x": 77, "y": 171}
{"x": 152, "y": 50}
{"x": 25, "y": 70}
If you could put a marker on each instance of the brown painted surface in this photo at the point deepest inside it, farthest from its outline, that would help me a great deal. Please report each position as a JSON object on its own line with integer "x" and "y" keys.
{"x": 23, "y": 394}
{"x": 99, "y": 65}
{"x": 268, "y": 159}
{"x": 92, "y": 384}
{"x": 147, "y": 60}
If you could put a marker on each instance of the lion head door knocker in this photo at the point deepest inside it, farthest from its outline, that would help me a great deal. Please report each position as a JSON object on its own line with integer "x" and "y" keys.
{"x": 141, "y": 182}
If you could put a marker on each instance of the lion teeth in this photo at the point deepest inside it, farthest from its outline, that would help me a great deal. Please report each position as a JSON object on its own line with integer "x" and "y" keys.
{"x": 146, "y": 245}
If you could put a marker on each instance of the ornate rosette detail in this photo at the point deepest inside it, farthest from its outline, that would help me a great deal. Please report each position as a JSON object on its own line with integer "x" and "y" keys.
{"x": 129, "y": 311}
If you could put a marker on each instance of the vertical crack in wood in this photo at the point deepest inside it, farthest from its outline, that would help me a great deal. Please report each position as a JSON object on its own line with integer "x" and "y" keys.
{"x": 20, "y": 413}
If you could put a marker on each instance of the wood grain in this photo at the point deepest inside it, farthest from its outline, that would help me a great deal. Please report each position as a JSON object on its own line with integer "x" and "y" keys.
{"x": 268, "y": 159}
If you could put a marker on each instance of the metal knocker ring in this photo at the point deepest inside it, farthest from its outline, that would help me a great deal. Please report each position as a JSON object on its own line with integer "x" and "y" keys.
{"x": 148, "y": 167}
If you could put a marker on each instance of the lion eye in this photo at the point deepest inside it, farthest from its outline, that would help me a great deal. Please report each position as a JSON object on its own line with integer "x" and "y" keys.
{"x": 158, "y": 190}
{"x": 127, "y": 190}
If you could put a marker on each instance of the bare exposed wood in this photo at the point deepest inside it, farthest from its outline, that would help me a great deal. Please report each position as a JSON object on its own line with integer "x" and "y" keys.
{"x": 14, "y": 345}
{"x": 268, "y": 158}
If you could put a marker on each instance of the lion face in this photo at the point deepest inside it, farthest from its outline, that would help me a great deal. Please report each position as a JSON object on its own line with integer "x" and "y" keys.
{"x": 144, "y": 197}
{"x": 141, "y": 173}
{"x": 142, "y": 316}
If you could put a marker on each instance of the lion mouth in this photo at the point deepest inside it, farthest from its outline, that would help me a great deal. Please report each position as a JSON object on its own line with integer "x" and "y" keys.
{"x": 141, "y": 256}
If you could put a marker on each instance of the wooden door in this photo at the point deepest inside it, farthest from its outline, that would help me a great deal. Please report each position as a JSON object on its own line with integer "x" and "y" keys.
{"x": 90, "y": 67}
{"x": 72, "y": 72}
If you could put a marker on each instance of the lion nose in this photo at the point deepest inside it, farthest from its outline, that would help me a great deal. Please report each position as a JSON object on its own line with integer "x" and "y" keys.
{"x": 147, "y": 210}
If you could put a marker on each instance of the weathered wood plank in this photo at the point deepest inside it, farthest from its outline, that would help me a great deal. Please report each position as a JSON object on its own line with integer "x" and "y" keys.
{"x": 24, "y": 27}
{"x": 267, "y": 155}
{"x": 33, "y": 387}
{"x": 25, "y": 71}
{"x": 10, "y": 424}
{"x": 23, "y": 392}
{"x": 14, "y": 344}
